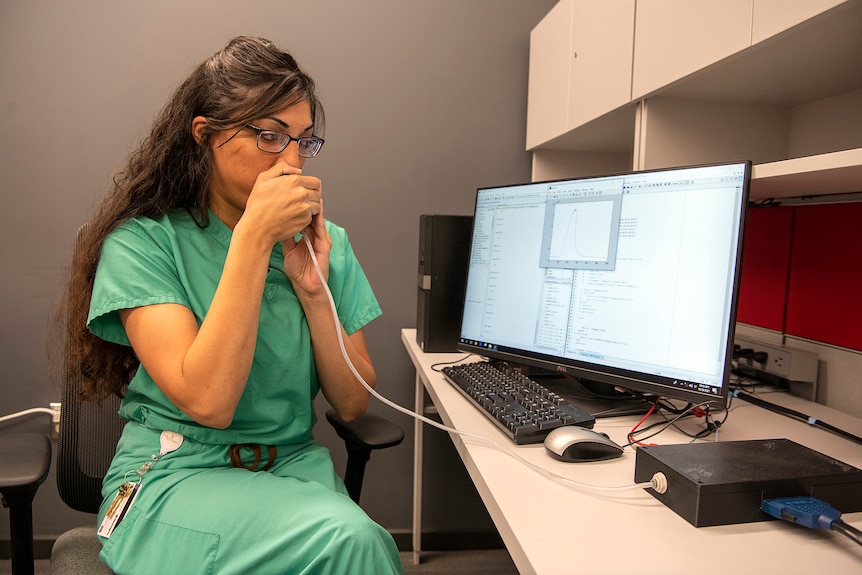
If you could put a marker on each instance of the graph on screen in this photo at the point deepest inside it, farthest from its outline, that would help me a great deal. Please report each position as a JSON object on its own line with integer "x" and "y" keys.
{"x": 581, "y": 233}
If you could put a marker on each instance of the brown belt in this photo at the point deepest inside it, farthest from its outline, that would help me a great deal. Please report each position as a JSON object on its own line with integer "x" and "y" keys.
{"x": 236, "y": 457}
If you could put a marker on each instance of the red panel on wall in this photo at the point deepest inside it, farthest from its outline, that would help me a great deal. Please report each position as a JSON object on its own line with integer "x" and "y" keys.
{"x": 765, "y": 263}
{"x": 824, "y": 302}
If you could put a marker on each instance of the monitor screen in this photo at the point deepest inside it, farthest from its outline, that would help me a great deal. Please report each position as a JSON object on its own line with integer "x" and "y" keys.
{"x": 627, "y": 279}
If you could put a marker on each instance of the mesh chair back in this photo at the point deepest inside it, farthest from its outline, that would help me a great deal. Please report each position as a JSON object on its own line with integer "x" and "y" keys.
{"x": 89, "y": 432}
{"x": 88, "y": 439}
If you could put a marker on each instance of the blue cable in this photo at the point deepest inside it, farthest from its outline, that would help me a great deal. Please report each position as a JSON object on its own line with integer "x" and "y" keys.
{"x": 810, "y": 512}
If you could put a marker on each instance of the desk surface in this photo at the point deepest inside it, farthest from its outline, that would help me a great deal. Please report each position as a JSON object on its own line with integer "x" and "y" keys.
{"x": 550, "y": 528}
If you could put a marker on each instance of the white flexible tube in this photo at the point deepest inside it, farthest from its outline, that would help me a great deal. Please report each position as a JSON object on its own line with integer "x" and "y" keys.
{"x": 27, "y": 412}
{"x": 487, "y": 441}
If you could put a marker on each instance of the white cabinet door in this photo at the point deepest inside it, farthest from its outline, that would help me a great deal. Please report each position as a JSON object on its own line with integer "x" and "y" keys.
{"x": 601, "y": 58}
{"x": 774, "y": 16}
{"x": 548, "y": 88}
{"x": 674, "y": 38}
{"x": 580, "y": 66}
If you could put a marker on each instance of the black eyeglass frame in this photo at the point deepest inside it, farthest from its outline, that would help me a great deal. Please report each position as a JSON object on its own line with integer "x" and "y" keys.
{"x": 315, "y": 140}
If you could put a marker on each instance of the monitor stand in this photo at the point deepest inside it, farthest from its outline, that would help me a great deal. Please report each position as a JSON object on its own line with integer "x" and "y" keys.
{"x": 596, "y": 398}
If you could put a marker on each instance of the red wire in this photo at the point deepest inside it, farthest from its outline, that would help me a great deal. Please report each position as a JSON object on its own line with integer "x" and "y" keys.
{"x": 647, "y": 414}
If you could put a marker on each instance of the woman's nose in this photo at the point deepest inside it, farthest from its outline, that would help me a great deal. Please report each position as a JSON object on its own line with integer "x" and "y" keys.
{"x": 291, "y": 155}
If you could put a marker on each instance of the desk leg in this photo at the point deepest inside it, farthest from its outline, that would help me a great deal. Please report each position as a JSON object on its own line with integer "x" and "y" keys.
{"x": 419, "y": 407}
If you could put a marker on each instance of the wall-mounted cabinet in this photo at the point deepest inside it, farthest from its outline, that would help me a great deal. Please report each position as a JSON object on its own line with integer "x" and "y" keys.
{"x": 780, "y": 84}
{"x": 676, "y": 38}
{"x": 580, "y": 66}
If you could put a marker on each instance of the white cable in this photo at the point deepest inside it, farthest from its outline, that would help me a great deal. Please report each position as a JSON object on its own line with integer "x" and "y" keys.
{"x": 487, "y": 441}
{"x": 27, "y": 412}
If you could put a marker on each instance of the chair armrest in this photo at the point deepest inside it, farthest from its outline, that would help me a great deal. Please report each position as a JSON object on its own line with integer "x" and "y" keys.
{"x": 368, "y": 430}
{"x": 26, "y": 458}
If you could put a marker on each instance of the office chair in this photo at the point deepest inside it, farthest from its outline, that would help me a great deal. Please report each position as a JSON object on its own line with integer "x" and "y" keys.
{"x": 88, "y": 438}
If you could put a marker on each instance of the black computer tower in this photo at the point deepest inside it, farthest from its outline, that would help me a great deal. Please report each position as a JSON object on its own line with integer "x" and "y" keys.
{"x": 444, "y": 249}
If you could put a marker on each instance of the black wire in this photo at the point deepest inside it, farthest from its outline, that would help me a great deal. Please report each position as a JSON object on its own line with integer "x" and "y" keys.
{"x": 453, "y": 362}
{"x": 796, "y": 415}
{"x": 689, "y": 409}
{"x": 709, "y": 428}
{"x": 745, "y": 383}
{"x": 681, "y": 413}
{"x": 663, "y": 424}
{"x": 838, "y": 431}
{"x": 671, "y": 408}
{"x": 854, "y": 534}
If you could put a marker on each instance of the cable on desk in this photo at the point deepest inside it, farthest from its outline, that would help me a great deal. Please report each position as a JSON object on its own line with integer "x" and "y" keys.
{"x": 690, "y": 410}
{"x": 786, "y": 411}
{"x": 634, "y": 430}
{"x": 854, "y": 534}
{"x": 487, "y": 441}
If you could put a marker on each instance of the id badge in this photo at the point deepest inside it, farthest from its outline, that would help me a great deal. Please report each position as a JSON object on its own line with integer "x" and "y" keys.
{"x": 118, "y": 509}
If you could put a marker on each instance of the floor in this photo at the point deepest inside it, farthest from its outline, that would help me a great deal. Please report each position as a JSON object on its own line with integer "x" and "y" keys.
{"x": 486, "y": 562}
{"x": 490, "y": 562}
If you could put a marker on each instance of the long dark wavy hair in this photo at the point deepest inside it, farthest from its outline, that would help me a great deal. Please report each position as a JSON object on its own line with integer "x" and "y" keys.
{"x": 250, "y": 78}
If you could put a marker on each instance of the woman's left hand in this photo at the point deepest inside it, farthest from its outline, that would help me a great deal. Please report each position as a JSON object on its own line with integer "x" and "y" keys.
{"x": 298, "y": 265}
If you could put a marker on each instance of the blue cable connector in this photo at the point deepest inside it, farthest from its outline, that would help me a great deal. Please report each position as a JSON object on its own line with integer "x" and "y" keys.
{"x": 810, "y": 512}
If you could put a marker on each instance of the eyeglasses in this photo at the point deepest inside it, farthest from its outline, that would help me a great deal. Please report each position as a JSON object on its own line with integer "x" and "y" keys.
{"x": 275, "y": 142}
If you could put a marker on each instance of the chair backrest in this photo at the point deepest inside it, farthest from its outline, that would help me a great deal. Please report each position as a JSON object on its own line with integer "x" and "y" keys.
{"x": 88, "y": 439}
{"x": 89, "y": 432}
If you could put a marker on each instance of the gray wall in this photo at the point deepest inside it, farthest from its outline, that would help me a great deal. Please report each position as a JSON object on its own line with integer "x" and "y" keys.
{"x": 425, "y": 101}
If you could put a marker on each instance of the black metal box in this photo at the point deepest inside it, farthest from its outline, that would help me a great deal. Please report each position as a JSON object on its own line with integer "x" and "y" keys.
{"x": 720, "y": 483}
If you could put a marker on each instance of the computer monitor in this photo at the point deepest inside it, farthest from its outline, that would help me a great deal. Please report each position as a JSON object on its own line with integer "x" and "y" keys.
{"x": 629, "y": 280}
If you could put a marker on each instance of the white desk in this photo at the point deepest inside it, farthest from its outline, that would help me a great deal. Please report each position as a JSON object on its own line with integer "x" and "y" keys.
{"x": 550, "y": 528}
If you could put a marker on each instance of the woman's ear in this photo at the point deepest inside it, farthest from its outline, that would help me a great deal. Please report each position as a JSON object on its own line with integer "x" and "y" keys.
{"x": 199, "y": 126}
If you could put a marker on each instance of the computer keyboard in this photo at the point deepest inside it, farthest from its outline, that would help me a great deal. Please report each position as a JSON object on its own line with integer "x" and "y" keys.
{"x": 524, "y": 409}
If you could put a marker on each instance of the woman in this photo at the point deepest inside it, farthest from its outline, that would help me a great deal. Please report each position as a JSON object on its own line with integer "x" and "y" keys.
{"x": 199, "y": 294}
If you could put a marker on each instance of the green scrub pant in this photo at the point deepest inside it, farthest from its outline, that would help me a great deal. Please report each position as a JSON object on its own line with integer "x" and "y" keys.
{"x": 195, "y": 513}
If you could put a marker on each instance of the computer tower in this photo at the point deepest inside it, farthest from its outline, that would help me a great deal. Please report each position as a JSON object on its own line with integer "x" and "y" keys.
{"x": 444, "y": 249}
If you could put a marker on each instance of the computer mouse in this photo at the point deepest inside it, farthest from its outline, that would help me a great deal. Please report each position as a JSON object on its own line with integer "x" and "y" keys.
{"x": 578, "y": 445}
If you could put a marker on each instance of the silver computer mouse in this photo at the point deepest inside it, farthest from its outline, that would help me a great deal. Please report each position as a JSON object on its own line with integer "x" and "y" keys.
{"x": 578, "y": 444}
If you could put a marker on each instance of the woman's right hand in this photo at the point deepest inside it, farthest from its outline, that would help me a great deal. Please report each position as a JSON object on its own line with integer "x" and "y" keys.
{"x": 282, "y": 202}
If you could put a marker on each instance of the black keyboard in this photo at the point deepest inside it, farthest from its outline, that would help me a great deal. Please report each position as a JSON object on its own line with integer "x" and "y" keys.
{"x": 524, "y": 409}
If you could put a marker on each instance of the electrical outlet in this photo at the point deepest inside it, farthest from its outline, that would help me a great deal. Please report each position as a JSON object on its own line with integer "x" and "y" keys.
{"x": 55, "y": 406}
{"x": 781, "y": 361}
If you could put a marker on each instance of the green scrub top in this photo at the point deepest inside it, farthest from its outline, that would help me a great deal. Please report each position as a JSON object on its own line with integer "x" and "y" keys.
{"x": 170, "y": 259}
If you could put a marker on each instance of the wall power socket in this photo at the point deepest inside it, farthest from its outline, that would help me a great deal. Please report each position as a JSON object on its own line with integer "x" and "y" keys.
{"x": 781, "y": 361}
{"x": 56, "y": 407}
